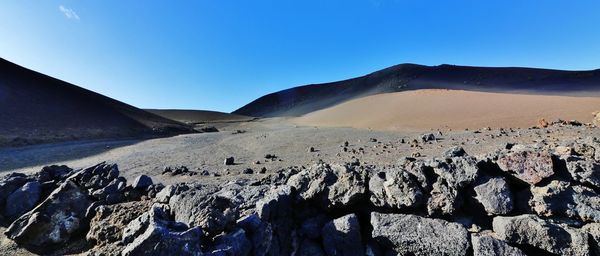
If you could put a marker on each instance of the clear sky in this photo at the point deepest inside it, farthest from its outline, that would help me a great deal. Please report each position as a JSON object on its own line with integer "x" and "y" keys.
{"x": 221, "y": 54}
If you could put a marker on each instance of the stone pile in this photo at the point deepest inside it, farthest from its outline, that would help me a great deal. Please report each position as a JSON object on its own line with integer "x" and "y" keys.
{"x": 520, "y": 200}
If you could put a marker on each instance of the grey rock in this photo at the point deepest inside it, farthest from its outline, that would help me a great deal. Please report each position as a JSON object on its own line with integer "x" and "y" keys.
{"x": 108, "y": 222}
{"x": 444, "y": 199}
{"x": 494, "y": 194}
{"x": 22, "y": 200}
{"x": 234, "y": 243}
{"x": 542, "y": 234}
{"x": 342, "y": 236}
{"x": 311, "y": 228}
{"x": 10, "y": 183}
{"x": 395, "y": 188}
{"x": 428, "y": 137}
{"x": 487, "y": 245}
{"x": 593, "y": 229}
{"x": 584, "y": 171}
{"x": 413, "y": 235}
{"x": 53, "y": 221}
{"x": 455, "y": 151}
{"x": 229, "y": 161}
{"x": 330, "y": 185}
{"x": 153, "y": 234}
{"x": 529, "y": 165}
{"x": 562, "y": 199}
{"x": 142, "y": 182}
{"x": 279, "y": 235}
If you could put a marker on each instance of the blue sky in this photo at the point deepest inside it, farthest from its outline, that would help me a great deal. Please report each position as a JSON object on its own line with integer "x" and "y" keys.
{"x": 221, "y": 54}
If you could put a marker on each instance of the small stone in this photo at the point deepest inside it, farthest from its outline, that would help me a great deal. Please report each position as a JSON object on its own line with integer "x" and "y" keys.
{"x": 229, "y": 161}
{"x": 142, "y": 182}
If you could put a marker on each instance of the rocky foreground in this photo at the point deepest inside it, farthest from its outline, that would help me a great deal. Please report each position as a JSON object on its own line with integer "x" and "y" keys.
{"x": 519, "y": 200}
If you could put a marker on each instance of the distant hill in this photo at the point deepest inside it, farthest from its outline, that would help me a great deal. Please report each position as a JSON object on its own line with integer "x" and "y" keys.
{"x": 35, "y": 108}
{"x": 198, "y": 116}
{"x": 301, "y": 100}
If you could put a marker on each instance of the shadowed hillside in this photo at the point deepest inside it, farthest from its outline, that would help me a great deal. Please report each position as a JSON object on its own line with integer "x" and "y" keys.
{"x": 198, "y": 116}
{"x": 35, "y": 108}
{"x": 305, "y": 99}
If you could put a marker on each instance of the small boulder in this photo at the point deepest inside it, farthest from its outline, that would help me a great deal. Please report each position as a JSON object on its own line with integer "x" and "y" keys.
{"x": 229, "y": 161}
{"x": 528, "y": 165}
{"x": 395, "y": 188}
{"x": 342, "y": 236}
{"x": 455, "y": 151}
{"x": 407, "y": 234}
{"x": 53, "y": 221}
{"x": 494, "y": 194}
{"x": 154, "y": 234}
{"x": 487, "y": 245}
{"x": 142, "y": 182}
{"x": 22, "y": 200}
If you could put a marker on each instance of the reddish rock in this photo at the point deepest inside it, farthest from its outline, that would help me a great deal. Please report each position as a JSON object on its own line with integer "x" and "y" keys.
{"x": 529, "y": 166}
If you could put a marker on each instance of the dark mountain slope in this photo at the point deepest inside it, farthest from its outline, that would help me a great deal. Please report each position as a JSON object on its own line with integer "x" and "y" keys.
{"x": 35, "y": 108}
{"x": 305, "y": 99}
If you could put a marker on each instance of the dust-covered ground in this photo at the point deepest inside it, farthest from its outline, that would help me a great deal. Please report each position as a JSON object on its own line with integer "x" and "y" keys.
{"x": 250, "y": 142}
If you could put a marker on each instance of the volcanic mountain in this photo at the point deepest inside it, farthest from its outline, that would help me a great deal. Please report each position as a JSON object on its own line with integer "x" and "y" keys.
{"x": 301, "y": 100}
{"x": 36, "y": 108}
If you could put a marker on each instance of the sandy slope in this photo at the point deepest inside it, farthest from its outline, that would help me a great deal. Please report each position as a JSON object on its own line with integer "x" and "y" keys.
{"x": 198, "y": 116}
{"x": 432, "y": 109}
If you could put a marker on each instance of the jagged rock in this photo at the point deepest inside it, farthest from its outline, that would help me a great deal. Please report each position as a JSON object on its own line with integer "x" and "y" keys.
{"x": 487, "y": 245}
{"x": 107, "y": 224}
{"x": 428, "y": 137}
{"x": 455, "y": 151}
{"x": 494, "y": 194}
{"x": 586, "y": 150}
{"x": 456, "y": 171}
{"x": 584, "y": 171}
{"x": 142, "y": 182}
{"x": 201, "y": 207}
{"x": 275, "y": 208}
{"x": 563, "y": 151}
{"x": 259, "y": 233}
{"x": 229, "y": 161}
{"x": 53, "y": 173}
{"x": 593, "y": 229}
{"x": 234, "y": 243}
{"x": 22, "y": 200}
{"x": 342, "y": 236}
{"x": 394, "y": 188}
{"x": 330, "y": 185}
{"x": 453, "y": 174}
{"x": 409, "y": 234}
{"x": 166, "y": 193}
{"x": 443, "y": 200}
{"x": 560, "y": 198}
{"x": 423, "y": 172}
{"x": 10, "y": 183}
{"x": 153, "y": 234}
{"x": 533, "y": 231}
{"x": 531, "y": 166}
{"x": 54, "y": 221}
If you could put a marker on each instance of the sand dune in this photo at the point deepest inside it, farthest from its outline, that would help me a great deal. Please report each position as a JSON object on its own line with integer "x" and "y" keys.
{"x": 456, "y": 109}
{"x": 35, "y": 108}
{"x": 198, "y": 116}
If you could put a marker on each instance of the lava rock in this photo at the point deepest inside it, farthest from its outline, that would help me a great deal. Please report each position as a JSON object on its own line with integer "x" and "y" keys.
{"x": 142, "y": 182}
{"x": 562, "y": 199}
{"x": 54, "y": 221}
{"x": 528, "y": 165}
{"x": 229, "y": 161}
{"x": 455, "y": 151}
{"x": 494, "y": 194}
{"x": 487, "y": 245}
{"x": 342, "y": 236}
{"x": 330, "y": 185}
{"x": 533, "y": 231}
{"x": 22, "y": 200}
{"x": 395, "y": 188}
{"x": 584, "y": 171}
{"x": 413, "y": 235}
{"x": 153, "y": 234}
